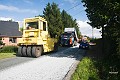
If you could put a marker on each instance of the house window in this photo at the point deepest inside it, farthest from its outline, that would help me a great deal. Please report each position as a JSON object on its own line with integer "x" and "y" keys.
{"x": 13, "y": 40}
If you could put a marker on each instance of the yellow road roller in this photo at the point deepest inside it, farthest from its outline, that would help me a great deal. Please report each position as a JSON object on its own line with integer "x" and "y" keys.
{"x": 35, "y": 39}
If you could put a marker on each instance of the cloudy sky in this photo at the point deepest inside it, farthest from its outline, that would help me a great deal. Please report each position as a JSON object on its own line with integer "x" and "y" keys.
{"x": 20, "y": 9}
{"x": 86, "y": 29}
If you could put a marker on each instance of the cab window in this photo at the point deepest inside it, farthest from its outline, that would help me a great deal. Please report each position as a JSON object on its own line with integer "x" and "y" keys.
{"x": 32, "y": 25}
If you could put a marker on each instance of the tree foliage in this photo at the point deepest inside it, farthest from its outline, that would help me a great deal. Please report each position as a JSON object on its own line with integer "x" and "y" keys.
{"x": 66, "y": 19}
{"x": 21, "y": 29}
{"x": 53, "y": 16}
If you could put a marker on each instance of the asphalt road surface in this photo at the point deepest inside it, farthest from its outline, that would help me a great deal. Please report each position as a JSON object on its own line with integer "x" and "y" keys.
{"x": 53, "y": 66}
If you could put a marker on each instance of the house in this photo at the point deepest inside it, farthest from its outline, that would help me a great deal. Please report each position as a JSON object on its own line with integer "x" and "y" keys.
{"x": 9, "y": 32}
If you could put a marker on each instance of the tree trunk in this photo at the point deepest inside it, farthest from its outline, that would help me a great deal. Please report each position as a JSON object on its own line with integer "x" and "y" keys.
{"x": 103, "y": 40}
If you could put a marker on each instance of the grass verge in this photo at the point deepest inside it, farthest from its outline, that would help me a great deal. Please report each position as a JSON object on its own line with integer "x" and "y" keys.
{"x": 6, "y": 55}
{"x": 86, "y": 70}
{"x": 105, "y": 65}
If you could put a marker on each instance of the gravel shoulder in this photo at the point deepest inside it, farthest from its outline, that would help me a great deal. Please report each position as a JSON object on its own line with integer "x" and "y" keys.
{"x": 55, "y": 66}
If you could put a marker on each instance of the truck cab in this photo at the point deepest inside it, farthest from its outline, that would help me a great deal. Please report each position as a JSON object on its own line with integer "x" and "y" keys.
{"x": 67, "y": 39}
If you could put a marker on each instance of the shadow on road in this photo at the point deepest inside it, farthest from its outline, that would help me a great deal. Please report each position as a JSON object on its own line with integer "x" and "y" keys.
{"x": 72, "y": 52}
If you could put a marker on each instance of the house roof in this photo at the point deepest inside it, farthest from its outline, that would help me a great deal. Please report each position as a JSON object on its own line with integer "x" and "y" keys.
{"x": 10, "y": 29}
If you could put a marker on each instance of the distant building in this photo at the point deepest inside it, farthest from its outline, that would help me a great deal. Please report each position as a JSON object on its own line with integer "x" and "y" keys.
{"x": 9, "y": 32}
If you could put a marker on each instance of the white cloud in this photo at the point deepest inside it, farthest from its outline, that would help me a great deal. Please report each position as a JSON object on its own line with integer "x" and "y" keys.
{"x": 83, "y": 24}
{"x": 86, "y": 29}
{"x": 16, "y": 9}
{"x": 71, "y": 1}
{"x": 6, "y": 19}
{"x": 28, "y": 1}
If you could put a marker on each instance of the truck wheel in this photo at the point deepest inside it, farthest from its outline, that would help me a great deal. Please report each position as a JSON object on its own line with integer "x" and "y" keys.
{"x": 72, "y": 45}
{"x": 36, "y": 51}
{"x": 29, "y": 51}
{"x": 19, "y": 53}
{"x": 24, "y": 51}
{"x": 55, "y": 47}
{"x": 62, "y": 45}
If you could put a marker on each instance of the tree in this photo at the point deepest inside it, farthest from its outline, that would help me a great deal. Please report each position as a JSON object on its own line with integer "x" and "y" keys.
{"x": 21, "y": 29}
{"x": 53, "y": 16}
{"x": 68, "y": 21}
{"x": 77, "y": 28}
{"x": 105, "y": 14}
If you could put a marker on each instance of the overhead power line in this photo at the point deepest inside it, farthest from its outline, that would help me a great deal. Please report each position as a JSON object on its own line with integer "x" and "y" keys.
{"x": 74, "y": 6}
{"x": 78, "y": 12}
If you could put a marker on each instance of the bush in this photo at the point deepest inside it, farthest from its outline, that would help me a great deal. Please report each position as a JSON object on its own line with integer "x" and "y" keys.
{"x": 1, "y": 42}
{"x": 8, "y": 49}
{"x": 109, "y": 64}
{"x": 85, "y": 70}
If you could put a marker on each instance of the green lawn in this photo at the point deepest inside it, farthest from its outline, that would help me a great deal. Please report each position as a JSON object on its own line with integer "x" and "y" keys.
{"x": 7, "y": 55}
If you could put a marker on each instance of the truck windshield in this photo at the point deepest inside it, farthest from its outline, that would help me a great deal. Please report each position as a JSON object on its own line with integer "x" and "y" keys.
{"x": 66, "y": 35}
{"x": 32, "y": 25}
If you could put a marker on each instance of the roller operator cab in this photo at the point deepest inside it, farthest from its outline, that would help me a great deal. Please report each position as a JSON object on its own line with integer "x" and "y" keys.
{"x": 35, "y": 39}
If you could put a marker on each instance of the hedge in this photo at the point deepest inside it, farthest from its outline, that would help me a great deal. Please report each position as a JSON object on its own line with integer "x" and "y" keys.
{"x": 9, "y": 49}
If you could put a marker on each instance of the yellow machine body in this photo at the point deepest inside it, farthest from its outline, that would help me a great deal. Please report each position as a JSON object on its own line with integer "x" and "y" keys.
{"x": 35, "y": 33}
